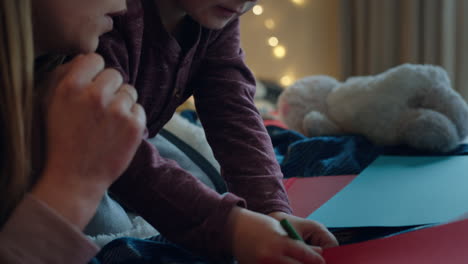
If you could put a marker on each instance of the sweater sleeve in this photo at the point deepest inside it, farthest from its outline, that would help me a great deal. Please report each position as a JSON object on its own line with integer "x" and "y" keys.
{"x": 35, "y": 234}
{"x": 176, "y": 203}
{"x": 224, "y": 92}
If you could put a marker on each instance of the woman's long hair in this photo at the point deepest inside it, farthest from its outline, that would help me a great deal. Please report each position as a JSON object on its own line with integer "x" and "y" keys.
{"x": 16, "y": 102}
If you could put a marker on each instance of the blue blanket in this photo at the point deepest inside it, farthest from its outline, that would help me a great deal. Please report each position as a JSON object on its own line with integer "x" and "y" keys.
{"x": 154, "y": 250}
{"x": 300, "y": 156}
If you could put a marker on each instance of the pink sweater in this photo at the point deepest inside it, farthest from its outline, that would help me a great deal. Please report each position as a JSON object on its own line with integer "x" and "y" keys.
{"x": 35, "y": 234}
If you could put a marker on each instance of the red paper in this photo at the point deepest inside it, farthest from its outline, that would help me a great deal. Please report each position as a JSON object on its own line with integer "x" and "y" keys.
{"x": 436, "y": 245}
{"x": 308, "y": 194}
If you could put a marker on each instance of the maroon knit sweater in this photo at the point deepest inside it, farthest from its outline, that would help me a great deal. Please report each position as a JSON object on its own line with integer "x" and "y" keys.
{"x": 208, "y": 64}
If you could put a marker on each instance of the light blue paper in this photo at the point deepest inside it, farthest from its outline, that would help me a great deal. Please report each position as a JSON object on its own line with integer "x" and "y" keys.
{"x": 401, "y": 191}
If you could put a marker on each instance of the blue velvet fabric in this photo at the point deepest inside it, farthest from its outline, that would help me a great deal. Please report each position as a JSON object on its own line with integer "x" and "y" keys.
{"x": 300, "y": 156}
{"x": 155, "y": 250}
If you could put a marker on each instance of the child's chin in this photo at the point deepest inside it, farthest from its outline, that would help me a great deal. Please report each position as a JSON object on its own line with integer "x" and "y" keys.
{"x": 215, "y": 23}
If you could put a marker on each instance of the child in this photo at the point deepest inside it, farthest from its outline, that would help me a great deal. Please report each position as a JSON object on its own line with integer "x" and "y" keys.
{"x": 50, "y": 186}
{"x": 171, "y": 49}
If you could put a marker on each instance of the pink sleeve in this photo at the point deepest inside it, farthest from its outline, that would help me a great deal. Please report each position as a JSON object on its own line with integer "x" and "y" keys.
{"x": 36, "y": 234}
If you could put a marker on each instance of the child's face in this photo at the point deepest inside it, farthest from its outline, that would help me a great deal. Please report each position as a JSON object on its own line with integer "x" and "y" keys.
{"x": 72, "y": 26}
{"x": 215, "y": 14}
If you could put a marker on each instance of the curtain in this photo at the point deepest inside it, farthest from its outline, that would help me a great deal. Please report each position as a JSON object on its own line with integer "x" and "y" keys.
{"x": 380, "y": 34}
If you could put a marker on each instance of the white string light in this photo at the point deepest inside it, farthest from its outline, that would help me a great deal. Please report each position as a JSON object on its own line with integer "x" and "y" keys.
{"x": 298, "y": 2}
{"x": 270, "y": 24}
{"x": 257, "y": 10}
{"x": 279, "y": 51}
{"x": 287, "y": 80}
{"x": 273, "y": 41}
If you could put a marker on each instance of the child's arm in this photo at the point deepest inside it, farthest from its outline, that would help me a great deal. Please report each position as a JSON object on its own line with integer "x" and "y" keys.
{"x": 224, "y": 91}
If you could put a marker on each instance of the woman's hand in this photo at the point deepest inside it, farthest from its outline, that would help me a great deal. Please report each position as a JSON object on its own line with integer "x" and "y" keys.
{"x": 312, "y": 232}
{"x": 258, "y": 238}
{"x": 94, "y": 127}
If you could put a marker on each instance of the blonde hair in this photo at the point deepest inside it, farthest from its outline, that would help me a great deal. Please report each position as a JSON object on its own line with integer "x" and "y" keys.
{"x": 16, "y": 102}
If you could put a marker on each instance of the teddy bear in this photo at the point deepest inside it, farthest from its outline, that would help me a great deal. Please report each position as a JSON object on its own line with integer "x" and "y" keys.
{"x": 411, "y": 104}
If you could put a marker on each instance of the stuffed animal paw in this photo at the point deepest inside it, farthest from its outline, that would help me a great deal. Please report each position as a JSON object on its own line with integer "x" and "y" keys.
{"x": 411, "y": 105}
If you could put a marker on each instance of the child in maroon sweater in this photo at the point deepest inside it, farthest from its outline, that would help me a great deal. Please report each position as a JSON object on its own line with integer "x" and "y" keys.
{"x": 170, "y": 50}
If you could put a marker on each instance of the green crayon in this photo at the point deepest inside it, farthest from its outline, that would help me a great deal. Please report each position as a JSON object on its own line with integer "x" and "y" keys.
{"x": 292, "y": 233}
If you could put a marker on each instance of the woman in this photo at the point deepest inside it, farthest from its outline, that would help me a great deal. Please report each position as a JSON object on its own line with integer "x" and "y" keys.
{"x": 56, "y": 166}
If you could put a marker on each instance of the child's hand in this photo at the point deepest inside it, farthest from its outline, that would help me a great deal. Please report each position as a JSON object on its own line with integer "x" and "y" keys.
{"x": 258, "y": 238}
{"x": 312, "y": 232}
